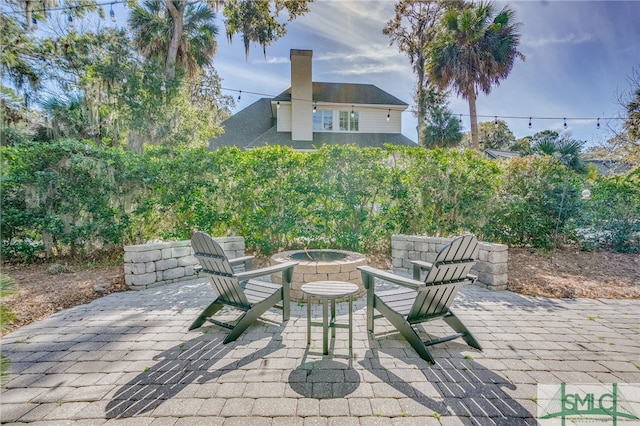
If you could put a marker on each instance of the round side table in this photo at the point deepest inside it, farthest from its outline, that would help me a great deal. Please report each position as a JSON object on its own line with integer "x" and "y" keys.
{"x": 329, "y": 291}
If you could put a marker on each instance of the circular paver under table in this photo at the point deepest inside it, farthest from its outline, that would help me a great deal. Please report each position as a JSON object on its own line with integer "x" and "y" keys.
{"x": 329, "y": 291}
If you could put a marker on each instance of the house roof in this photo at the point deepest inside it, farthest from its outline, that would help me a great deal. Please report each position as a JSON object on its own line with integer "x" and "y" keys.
{"x": 609, "y": 167}
{"x": 245, "y": 126}
{"x": 496, "y": 154}
{"x": 346, "y": 93}
{"x": 255, "y": 125}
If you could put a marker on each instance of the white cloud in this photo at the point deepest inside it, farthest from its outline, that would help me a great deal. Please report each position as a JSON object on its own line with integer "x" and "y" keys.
{"x": 276, "y": 60}
{"x": 554, "y": 40}
{"x": 368, "y": 69}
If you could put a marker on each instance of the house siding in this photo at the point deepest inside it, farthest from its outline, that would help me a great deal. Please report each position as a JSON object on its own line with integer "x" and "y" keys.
{"x": 371, "y": 120}
{"x": 375, "y": 121}
{"x": 284, "y": 118}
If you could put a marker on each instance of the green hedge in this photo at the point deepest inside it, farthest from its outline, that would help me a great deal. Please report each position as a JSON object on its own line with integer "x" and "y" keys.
{"x": 71, "y": 197}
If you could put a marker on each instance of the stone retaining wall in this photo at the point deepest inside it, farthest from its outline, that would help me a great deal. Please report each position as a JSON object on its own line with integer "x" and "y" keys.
{"x": 491, "y": 267}
{"x": 154, "y": 264}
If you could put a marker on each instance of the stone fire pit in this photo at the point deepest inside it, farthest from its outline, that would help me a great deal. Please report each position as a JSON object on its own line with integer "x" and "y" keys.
{"x": 320, "y": 265}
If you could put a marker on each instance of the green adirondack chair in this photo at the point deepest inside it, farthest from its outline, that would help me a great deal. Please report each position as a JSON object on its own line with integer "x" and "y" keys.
{"x": 238, "y": 289}
{"x": 417, "y": 301}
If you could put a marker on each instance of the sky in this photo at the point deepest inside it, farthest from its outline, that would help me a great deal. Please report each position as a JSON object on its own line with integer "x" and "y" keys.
{"x": 579, "y": 57}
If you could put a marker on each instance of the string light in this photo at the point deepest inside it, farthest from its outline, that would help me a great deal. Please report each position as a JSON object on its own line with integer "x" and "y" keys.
{"x": 70, "y": 21}
{"x": 239, "y": 95}
{"x": 315, "y": 107}
{"x": 112, "y": 14}
{"x": 565, "y": 122}
{"x": 352, "y": 112}
{"x": 389, "y": 114}
{"x": 278, "y": 105}
{"x": 479, "y": 116}
{"x": 495, "y": 123}
{"x": 598, "y": 123}
{"x": 34, "y": 23}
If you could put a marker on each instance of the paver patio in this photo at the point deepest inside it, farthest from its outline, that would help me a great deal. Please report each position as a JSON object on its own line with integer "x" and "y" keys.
{"x": 128, "y": 358}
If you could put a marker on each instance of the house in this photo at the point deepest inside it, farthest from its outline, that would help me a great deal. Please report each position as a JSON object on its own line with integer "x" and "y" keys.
{"x": 310, "y": 114}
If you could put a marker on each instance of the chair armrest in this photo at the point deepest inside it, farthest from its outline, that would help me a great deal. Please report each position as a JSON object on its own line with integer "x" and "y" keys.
{"x": 419, "y": 266}
{"x": 391, "y": 277}
{"x": 247, "y": 260}
{"x": 255, "y": 273}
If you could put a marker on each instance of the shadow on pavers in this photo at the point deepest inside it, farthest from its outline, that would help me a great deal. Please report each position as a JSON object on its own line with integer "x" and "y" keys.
{"x": 465, "y": 388}
{"x": 190, "y": 362}
{"x": 324, "y": 379}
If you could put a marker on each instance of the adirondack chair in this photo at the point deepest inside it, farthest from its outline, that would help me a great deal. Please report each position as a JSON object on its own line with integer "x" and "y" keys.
{"x": 417, "y": 301}
{"x": 238, "y": 289}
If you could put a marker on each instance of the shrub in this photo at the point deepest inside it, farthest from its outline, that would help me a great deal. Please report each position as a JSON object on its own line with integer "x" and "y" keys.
{"x": 70, "y": 197}
{"x": 538, "y": 198}
{"x": 611, "y": 217}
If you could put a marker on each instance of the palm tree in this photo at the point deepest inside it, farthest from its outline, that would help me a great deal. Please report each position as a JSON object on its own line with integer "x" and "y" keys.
{"x": 561, "y": 147}
{"x": 155, "y": 31}
{"x": 475, "y": 49}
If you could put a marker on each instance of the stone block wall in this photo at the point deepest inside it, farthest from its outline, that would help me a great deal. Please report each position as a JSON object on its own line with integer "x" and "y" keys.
{"x": 491, "y": 266}
{"x": 154, "y": 264}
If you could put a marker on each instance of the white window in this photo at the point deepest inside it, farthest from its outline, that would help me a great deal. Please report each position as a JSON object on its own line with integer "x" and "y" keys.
{"x": 349, "y": 121}
{"x": 323, "y": 120}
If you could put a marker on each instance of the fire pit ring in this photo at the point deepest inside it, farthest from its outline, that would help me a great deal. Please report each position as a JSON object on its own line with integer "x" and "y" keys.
{"x": 320, "y": 265}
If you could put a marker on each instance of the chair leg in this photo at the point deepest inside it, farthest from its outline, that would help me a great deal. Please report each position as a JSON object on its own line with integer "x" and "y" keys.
{"x": 208, "y": 312}
{"x": 455, "y": 323}
{"x": 370, "y": 297}
{"x": 252, "y": 315}
{"x": 407, "y": 331}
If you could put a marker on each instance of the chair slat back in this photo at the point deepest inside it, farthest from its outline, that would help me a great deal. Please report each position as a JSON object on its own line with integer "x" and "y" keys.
{"x": 461, "y": 248}
{"x": 449, "y": 272}
{"x": 216, "y": 265}
{"x": 433, "y": 301}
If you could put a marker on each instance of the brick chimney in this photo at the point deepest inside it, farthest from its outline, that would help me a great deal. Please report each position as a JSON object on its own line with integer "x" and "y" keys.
{"x": 301, "y": 95}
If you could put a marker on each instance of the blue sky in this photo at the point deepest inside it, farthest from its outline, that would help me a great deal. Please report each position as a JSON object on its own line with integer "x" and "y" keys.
{"x": 579, "y": 55}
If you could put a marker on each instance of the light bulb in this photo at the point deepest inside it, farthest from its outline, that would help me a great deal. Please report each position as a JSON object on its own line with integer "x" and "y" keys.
{"x": 34, "y": 23}
{"x": 278, "y": 105}
{"x": 70, "y": 21}
{"x": 112, "y": 14}
{"x": 239, "y": 95}
{"x": 598, "y": 123}
{"x": 529, "y": 122}
{"x": 389, "y": 115}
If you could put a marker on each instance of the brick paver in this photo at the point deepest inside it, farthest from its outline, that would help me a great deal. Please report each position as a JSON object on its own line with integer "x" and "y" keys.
{"x": 128, "y": 358}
